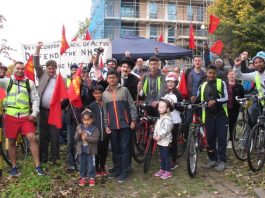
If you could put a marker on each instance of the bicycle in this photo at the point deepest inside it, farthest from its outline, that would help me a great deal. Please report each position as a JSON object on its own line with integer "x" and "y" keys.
{"x": 196, "y": 139}
{"x": 241, "y": 129}
{"x": 256, "y": 141}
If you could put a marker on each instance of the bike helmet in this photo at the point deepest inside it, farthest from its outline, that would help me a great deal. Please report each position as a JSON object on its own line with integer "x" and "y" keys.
{"x": 171, "y": 76}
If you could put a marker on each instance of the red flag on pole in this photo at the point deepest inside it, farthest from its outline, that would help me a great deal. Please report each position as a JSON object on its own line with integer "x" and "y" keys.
{"x": 64, "y": 43}
{"x": 101, "y": 64}
{"x": 214, "y": 22}
{"x": 2, "y": 93}
{"x": 59, "y": 93}
{"x": 183, "y": 89}
{"x": 29, "y": 69}
{"x": 192, "y": 41}
{"x": 161, "y": 38}
{"x": 217, "y": 47}
{"x": 88, "y": 37}
{"x": 74, "y": 90}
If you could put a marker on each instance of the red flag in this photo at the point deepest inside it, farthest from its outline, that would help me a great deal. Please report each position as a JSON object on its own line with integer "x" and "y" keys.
{"x": 2, "y": 93}
{"x": 161, "y": 38}
{"x": 217, "y": 47}
{"x": 74, "y": 90}
{"x": 192, "y": 41}
{"x": 29, "y": 69}
{"x": 183, "y": 89}
{"x": 214, "y": 22}
{"x": 59, "y": 93}
{"x": 74, "y": 39}
{"x": 101, "y": 64}
{"x": 88, "y": 37}
{"x": 64, "y": 43}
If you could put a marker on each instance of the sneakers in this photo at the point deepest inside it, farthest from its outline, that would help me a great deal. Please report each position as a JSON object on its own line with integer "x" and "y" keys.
{"x": 14, "y": 172}
{"x": 104, "y": 173}
{"x": 82, "y": 182}
{"x": 159, "y": 173}
{"x": 39, "y": 171}
{"x": 123, "y": 178}
{"x": 173, "y": 165}
{"x": 211, "y": 164}
{"x": 166, "y": 175}
{"x": 220, "y": 167}
{"x": 98, "y": 174}
{"x": 91, "y": 182}
{"x": 113, "y": 175}
{"x": 71, "y": 168}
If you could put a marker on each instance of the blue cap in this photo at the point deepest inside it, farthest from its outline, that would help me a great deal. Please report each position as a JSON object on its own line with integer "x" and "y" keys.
{"x": 260, "y": 55}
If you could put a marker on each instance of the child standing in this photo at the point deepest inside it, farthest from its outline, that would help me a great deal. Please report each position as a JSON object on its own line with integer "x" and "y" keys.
{"x": 87, "y": 136}
{"x": 103, "y": 143}
{"x": 163, "y": 136}
{"x": 174, "y": 96}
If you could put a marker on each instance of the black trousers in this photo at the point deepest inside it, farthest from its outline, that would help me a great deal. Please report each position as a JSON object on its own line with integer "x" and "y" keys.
{"x": 174, "y": 143}
{"x": 48, "y": 134}
{"x": 232, "y": 115}
{"x": 101, "y": 157}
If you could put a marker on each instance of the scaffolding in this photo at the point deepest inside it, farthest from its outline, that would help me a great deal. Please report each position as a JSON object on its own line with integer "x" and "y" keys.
{"x": 150, "y": 19}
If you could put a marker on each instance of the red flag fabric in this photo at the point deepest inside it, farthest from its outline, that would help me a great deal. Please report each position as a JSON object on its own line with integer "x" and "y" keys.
{"x": 74, "y": 39}
{"x": 183, "y": 89}
{"x": 59, "y": 93}
{"x": 74, "y": 90}
{"x": 161, "y": 38}
{"x": 2, "y": 93}
{"x": 214, "y": 22}
{"x": 192, "y": 41}
{"x": 64, "y": 43}
{"x": 88, "y": 37}
{"x": 29, "y": 69}
{"x": 217, "y": 47}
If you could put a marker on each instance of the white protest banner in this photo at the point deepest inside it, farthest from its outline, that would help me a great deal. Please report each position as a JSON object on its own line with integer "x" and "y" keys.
{"x": 80, "y": 52}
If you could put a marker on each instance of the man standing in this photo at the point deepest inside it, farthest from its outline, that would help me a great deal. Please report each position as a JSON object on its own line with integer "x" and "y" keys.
{"x": 48, "y": 133}
{"x": 127, "y": 79}
{"x": 21, "y": 108}
{"x": 119, "y": 118}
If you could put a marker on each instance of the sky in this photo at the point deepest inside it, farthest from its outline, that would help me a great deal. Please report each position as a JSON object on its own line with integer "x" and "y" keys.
{"x": 30, "y": 21}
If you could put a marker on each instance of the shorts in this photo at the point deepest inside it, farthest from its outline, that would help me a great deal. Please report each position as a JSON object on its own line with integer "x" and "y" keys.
{"x": 14, "y": 125}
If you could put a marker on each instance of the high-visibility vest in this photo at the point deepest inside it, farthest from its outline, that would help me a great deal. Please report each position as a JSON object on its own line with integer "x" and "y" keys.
{"x": 17, "y": 101}
{"x": 68, "y": 82}
{"x": 259, "y": 87}
{"x": 158, "y": 82}
{"x": 219, "y": 89}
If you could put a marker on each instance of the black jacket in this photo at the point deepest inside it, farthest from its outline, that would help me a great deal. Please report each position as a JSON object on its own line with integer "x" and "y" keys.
{"x": 131, "y": 84}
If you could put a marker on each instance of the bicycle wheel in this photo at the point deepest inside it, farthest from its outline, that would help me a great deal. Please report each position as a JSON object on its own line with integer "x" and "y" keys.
{"x": 139, "y": 142}
{"x": 148, "y": 154}
{"x": 256, "y": 148}
{"x": 22, "y": 147}
{"x": 192, "y": 151}
{"x": 181, "y": 142}
{"x": 239, "y": 140}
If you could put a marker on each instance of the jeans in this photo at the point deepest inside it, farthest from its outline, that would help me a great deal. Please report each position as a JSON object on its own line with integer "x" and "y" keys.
{"x": 216, "y": 129}
{"x": 121, "y": 150}
{"x": 87, "y": 165}
{"x": 71, "y": 128}
{"x": 164, "y": 157}
{"x": 254, "y": 112}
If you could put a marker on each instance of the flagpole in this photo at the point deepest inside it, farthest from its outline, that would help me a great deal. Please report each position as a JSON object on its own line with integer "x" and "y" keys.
{"x": 74, "y": 113}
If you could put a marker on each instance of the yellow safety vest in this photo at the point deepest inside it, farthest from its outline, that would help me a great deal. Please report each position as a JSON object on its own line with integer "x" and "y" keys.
{"x": 68, "y": 82}
{"x": 17, "y": 101}
{"x": 146, "y": 84}
{"x": 219, "y": 89}
{"x": 259, "y": 87}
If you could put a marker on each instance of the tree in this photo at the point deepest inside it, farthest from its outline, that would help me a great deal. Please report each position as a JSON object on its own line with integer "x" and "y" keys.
{"x": 83, "y": 27}
{"x": 4, "y": 47}
{"x": 242, "y": 25}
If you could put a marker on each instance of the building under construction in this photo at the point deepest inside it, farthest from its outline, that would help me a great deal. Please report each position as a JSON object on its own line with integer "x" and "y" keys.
{"x": 150, "y": 19}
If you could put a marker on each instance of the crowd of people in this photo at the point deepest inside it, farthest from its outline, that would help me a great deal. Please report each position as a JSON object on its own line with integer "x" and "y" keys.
{"x": 109, "y": 112}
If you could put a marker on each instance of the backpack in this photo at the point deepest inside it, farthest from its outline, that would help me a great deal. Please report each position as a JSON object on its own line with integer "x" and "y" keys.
{"x": 11, "y": 82}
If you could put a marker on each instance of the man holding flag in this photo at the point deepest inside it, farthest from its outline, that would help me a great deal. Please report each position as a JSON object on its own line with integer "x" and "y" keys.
{"x": 49, "y": 131}
{"x": 21, "y": 109}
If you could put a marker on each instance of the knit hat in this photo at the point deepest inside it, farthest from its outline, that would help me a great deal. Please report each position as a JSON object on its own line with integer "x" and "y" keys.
{"x": 219, "y": 60}
{"x": 260, "y": 55}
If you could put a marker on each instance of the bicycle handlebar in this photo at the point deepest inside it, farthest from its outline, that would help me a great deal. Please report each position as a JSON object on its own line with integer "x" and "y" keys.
{"x": 191, "y": 105}
{"x": 249, "y": 97}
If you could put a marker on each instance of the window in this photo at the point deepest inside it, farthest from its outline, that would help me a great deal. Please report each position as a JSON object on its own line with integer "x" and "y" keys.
{"x": 153, "y": 10}
{"x": 171, "y": 11}
{"x": 128, "y": 31}
{"x": 127, "y": 10}
{"x": 171, "y": 35}
{"x": 153, "y": 32}
{"x": 200, "y": 14}
{"x": 189, "y": 13}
